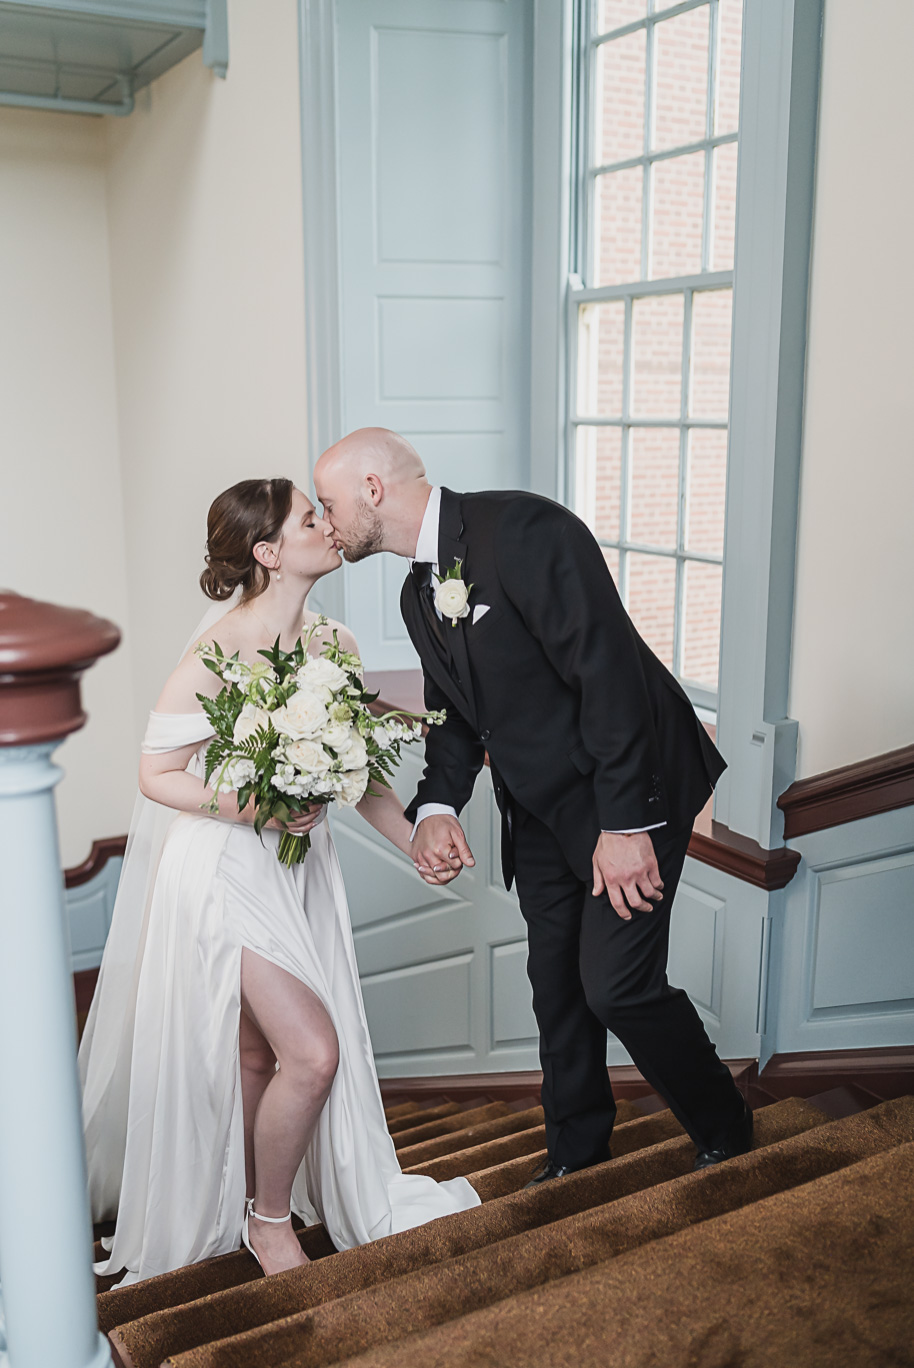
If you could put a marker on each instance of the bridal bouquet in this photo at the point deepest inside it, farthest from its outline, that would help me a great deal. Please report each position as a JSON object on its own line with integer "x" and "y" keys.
{"x": 295, "y": 729}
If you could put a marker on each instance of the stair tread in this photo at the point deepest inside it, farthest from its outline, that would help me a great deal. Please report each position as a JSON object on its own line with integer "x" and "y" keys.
{"x": 431, "y": 1296}
{"x": 812, "y": 1276}
{"x": 253, "y": 1302}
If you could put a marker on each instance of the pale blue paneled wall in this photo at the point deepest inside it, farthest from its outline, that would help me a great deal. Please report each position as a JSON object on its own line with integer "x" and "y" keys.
{"x": 842, "y": 955}
{"x": 433, "y": 171}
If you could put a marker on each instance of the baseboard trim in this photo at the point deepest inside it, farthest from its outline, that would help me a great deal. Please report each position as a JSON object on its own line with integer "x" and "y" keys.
{"x": 883, "y": 1073}
{"x": 627, "y": 1083}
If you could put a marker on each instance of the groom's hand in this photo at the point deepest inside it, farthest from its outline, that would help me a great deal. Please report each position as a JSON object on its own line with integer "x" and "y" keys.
{"x": 626, "y": 867}
{"x": 440, "y": 849}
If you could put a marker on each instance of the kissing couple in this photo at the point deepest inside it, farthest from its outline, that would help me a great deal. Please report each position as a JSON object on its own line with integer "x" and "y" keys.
{"x": 226, "y": 1063}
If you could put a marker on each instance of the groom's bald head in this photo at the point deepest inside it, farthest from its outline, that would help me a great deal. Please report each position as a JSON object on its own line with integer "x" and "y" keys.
{"x": 372, "y": 450}
{"x": 374, "y": 489}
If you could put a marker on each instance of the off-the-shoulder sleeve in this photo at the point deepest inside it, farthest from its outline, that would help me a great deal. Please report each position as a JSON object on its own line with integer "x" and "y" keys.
{"x": 172, "y": 731}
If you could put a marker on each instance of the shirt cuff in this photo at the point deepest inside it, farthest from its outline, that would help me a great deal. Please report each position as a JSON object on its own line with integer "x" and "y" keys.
{"x": 431, "y": 810}
{"x": 632, "y": 831}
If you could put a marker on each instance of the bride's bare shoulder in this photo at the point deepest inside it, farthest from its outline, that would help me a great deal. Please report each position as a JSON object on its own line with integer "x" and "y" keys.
{"x": 191, "y": 677}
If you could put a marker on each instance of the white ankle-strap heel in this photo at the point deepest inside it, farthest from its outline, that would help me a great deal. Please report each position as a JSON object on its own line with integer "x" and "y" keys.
{"x": 271, "y": 1220}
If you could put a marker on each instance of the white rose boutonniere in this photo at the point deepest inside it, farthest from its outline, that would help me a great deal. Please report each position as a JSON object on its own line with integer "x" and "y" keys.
{"x": 452, "y": 595}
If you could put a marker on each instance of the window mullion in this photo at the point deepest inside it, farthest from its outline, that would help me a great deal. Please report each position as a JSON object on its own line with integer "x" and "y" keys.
{"x": 681, "y": 493}
{"x": 646, "y": 185}
{"x": 624, "y": 455}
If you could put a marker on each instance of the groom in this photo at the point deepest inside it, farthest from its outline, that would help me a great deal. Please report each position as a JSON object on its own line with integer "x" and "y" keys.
{"x": 599, "y": 766}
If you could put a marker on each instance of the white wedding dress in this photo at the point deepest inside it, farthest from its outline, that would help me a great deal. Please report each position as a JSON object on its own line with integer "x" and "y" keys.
{"x": 159, "y": 1057}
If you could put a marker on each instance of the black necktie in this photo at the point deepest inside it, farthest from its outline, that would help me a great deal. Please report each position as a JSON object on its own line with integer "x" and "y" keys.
{"x": 422, "y": 576}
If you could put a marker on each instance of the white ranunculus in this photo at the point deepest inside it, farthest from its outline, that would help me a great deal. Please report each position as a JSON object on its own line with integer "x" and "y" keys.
{"x": 356, "y": 755}
{"x": 248, "y": 720}
{"x": 321, "y": 673}
{"x": 352, "y": 789}
{"x": 308, "y": 756}
{"x": 337, "y": 736}
{"x": 302, "y": 718}
{"x": 451, "y": 597}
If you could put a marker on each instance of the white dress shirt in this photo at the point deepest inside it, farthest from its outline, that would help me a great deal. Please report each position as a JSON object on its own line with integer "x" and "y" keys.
{"x": 427, "y": 550}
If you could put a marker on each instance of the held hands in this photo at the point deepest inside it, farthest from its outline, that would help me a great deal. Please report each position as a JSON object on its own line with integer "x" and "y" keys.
{"x": 626, "y": 867}
{"x": 440, "y": 849}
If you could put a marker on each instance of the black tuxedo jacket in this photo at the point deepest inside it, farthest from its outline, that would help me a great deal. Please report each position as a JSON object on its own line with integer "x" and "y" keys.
{"x": 584, "y": 726}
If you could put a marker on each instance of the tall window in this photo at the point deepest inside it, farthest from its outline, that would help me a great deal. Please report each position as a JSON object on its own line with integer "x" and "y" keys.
{"x": 650, "y": 312}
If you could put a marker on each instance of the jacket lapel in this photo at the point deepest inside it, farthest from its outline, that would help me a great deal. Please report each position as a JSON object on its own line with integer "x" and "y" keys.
{"x": 422, "y": 637}
{"x": 451, "y": 549}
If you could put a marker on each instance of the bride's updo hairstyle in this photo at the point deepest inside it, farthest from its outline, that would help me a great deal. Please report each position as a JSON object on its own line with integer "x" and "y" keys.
{"x": 250, "y": 512}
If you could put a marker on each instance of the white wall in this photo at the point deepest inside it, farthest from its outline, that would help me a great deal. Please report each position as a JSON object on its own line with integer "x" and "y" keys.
{"x": 852, "y": 682}
{"x": 151, "y": 354}
{"x": 61, "y": 521}
{"x": 205, "y": 222}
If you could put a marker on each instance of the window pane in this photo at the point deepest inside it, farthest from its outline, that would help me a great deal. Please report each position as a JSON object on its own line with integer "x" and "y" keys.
{"x": 654, "y": 486}
{"x": 651, "y": 601}
{"x": 681, "y": 79}
{"x": 723, "y": 220}
{"x": 614, "y": 13}
{"x": 729, "y": 28}
{"x": 617, "y": 218}
{"x": 657, "y": 356}
{"x": 706, "y": 489}
{"x": 611, "y": 556}
{"x": 710, "y": 381}
{"x": 677, "y": 208}
{"x": 701, "y": 624}
{"x": 598, "y": 479}
{"x": 619, "y": 99}
{"x": 601, "y": 338}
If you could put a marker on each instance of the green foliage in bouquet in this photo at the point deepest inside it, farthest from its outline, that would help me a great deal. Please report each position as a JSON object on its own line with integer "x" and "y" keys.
{"x": 294, "y": 730}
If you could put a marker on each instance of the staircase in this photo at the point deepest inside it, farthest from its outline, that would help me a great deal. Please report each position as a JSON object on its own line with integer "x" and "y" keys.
{"x": 800, "y": 1252}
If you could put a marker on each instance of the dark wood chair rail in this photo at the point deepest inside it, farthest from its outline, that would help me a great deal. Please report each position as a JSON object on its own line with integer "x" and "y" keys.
{"x": 879, "y": 784}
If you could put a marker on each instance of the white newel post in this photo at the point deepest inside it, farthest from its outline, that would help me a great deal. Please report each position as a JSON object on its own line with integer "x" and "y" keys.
{"x": 47, "y": 1315}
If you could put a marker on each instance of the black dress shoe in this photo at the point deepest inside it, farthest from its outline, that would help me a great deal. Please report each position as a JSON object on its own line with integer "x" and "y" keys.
{"x": 738, "y": 1141}
{"x": 553, "y": 1170}
{"x": 549, "y": 1170}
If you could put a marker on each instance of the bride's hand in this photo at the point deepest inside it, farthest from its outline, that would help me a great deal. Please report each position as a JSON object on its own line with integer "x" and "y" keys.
{"x": 300, "y": 823}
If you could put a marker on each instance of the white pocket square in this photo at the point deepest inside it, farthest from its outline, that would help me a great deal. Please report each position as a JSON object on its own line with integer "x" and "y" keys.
{"x": 480, "y": 611}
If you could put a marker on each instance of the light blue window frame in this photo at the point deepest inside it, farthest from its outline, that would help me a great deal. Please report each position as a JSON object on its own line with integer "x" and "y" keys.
{"x": 589, "y": 41}
{"x": 779, "y": 93}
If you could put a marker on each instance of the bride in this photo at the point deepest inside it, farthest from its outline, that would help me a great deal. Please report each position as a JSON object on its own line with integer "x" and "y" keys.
{"x": 227, "y": 1070}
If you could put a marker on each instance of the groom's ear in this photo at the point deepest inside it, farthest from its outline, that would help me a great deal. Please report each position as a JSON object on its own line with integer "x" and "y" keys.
{"x": 375, "y": 489}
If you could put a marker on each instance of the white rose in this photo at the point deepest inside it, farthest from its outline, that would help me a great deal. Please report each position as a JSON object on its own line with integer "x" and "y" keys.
{"x": 356, "y": 755}
{"x": 337, "y": 736}
{"x": 353, "y": 786}
{"x": 304, "y": 716}
{"x": 308, "y": 756}
{"x": 451, "y": 597}
{"x": 321, "y": 674}
{"x": 248, "y": 720}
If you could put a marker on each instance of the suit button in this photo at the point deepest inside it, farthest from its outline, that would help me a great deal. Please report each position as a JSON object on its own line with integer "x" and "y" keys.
{"x": 484, "y": 736}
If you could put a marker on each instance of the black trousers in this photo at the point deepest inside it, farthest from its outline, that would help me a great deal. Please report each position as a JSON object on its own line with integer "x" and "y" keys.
{"x": 592, "y": 972}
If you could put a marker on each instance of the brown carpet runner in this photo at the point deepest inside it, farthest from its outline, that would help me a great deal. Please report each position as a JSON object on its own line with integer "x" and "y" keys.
{"x": 443, "y": 1293}
{"x": 814, "y": 1277}
{"x": 414, "y": 1295}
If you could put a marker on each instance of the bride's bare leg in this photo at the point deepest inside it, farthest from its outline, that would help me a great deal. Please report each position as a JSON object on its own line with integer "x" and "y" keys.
{"x": 295, "y": 1023}
{"x": 258, "y": 1067}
